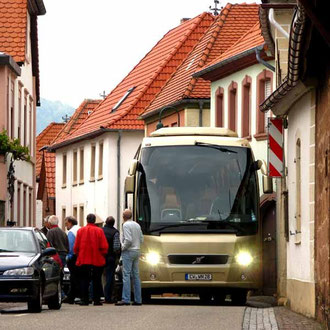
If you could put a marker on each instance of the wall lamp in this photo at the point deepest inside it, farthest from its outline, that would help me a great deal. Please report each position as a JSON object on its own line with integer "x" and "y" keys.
{"x": 160, "y": 124}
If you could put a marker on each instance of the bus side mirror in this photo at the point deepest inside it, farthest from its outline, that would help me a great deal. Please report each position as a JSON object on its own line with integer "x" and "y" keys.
{"x": 267, "y": 184}
{"x": 133, "y": 167}
{"x": 129, "y": 184}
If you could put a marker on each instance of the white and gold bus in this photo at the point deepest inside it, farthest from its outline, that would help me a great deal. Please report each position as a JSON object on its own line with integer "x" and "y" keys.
{"x": 194, "y": 192}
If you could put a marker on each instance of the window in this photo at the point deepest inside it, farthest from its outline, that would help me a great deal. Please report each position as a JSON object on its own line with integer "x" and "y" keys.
{"x": 219, "y": 107}
{"x": 92, "y": 178}
{"x": 30, "y": 207}
{"x": 19, "y": 203}
{"x": 81, "y": 171}
{"x": 25, "y": 121}
{"x": 232, "y": 105}
{"x": 24, "y": 207}
{"x": 64, "y": 160}
{"x": 100, "y": 172}
{"x": 81, "y": 215}
{"x": 118, "y": 104}
{"x": 19, "y": 113}
{"x": 75, "y": 211}
{"x": 246, "y": 104}
{"x": 30, "y": 126}
{"x": 298, "y": 191}
{"x": 12, "y": 110}
{"x": 75, "y": 167}
{"x": 63, "y": 217}
{"x": 264, "y": 89}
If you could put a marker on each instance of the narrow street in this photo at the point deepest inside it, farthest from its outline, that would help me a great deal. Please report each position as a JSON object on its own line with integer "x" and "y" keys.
{"x": 169, "y": 314}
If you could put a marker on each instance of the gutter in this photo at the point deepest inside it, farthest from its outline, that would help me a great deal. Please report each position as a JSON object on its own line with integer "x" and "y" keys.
{"x": 41, "y": 7}
{"x": 6, "y": 59}
{"x": 275, "y": 24}
{"x": 228, "y": 60}
{"x": 261, "y": 61}
{"x": 174, "y": 104}
{"x": 87, "y": 136}
{"x": 118, "y": 178}
{"x": 292, "y": 79}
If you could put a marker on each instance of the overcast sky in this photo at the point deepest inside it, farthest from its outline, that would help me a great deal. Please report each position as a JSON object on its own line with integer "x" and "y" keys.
{"x": 88, "y": 46}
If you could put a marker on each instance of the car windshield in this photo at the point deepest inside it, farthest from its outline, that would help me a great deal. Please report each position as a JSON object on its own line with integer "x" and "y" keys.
{"x": 17, "y": 241}
{"x": 199, "y": 187}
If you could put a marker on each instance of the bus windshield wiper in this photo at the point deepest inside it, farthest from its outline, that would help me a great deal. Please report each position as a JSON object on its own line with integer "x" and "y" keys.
{"x": 191, "y": 223}
{"x": 215, "y": 146}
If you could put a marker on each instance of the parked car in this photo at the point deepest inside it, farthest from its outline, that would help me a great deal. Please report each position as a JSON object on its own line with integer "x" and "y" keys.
{"x": 28, "y": 271}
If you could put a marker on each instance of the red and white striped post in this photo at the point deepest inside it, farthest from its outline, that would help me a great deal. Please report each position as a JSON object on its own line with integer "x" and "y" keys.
{"x": 275, "y": 148}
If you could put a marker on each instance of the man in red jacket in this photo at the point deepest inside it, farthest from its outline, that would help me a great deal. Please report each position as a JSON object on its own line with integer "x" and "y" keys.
{"x": 91, "y": 247}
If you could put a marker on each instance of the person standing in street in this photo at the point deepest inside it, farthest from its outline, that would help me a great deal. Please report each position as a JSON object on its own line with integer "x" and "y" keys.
{"x": 71, "y": 225}
{"x": 45, "y": 226}
{"x": 112, "y": 258}
{"x": 91, "y": 247}
{"x": 58, "y": 239}
{"x": 132, "y": 239}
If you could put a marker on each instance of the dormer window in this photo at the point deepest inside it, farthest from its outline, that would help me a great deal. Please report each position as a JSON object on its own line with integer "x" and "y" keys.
{"x": 118, "y": 104}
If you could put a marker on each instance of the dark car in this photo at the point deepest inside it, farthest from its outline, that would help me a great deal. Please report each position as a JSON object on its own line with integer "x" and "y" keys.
{"x": 28, "y": 271}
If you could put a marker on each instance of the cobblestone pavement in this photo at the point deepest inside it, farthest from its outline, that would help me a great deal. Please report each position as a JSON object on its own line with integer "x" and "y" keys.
{"x": 288, "y": 320}
{"x": 259, "y": 319}
{"x": 277, "y": 318}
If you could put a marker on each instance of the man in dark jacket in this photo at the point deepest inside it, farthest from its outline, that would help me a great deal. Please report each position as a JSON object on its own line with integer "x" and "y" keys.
{"x": 58, "y": 238}
{"x": 91, "y": 247}
{"x": 112, "y": 258}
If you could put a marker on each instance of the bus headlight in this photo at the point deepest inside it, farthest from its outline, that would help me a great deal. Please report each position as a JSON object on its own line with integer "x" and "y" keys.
{"x": 152, "y": 258}
{"x": 244, "y": 258}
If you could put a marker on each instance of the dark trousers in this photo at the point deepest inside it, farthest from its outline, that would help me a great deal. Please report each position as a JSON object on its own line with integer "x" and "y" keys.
{"x": 87, "y": 274}
{"x": 74, "y": 279}
{"x": 110, "y": 268}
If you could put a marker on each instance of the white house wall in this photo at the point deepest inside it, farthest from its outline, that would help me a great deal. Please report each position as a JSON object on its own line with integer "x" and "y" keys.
{"x": 259, "y": 147}
{"x": 98, "y": 197}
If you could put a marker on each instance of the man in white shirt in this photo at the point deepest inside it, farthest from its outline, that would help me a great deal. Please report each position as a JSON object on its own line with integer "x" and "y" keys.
{"x": 132, "y": 239}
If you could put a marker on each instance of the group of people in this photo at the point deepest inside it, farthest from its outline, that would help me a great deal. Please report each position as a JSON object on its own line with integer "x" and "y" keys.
{"x": 91, "y": 251}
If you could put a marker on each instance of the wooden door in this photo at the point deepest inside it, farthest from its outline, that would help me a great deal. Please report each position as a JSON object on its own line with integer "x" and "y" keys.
{"x": 269, "y": 248}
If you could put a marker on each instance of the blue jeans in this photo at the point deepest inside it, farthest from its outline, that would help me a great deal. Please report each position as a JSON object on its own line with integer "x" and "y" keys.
{"x": 130, "y": 260}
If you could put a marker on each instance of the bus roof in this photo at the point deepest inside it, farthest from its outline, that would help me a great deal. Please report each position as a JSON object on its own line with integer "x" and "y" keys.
{"x": 205, "y": 131}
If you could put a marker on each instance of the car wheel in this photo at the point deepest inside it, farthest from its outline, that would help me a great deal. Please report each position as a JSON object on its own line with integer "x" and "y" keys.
{"x": 35, "y": 304}
{"x": 55, "y": 302}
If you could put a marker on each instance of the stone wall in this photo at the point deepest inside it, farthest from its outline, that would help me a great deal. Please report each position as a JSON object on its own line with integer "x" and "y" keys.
{"x": 322, "y": 207}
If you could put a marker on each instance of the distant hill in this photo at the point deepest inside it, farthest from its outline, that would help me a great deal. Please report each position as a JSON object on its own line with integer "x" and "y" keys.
{"x": 51, "y": 111}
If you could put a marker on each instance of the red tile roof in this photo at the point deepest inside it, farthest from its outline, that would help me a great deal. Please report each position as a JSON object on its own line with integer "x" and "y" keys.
{"x": 147, "y": 78}
{"x": 230, "y": 26}
{"x": 45, "y": 138}
{"x": 13, "y": 19}
{"x": 50, "y": 161}
{"x": 84, "y": 110}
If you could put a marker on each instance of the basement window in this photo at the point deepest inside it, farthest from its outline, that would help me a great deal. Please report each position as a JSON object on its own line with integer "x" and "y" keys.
{"x": 119, "y": 103}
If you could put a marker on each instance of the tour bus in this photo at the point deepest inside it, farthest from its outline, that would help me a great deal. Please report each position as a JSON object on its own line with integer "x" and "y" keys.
{"x": 194, "y": 192}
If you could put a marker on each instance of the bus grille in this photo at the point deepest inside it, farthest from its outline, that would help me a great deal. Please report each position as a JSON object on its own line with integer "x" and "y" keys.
{"x": 200, "y": 259}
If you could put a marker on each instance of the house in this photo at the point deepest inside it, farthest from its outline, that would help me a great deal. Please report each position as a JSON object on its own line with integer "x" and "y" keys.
{"x": 45, "y": 172}
{"x": 92, "y": 160}
{"x": 19, "y": 96}
{"x": 302, "y": 100}
{"x": 185, "y": 98}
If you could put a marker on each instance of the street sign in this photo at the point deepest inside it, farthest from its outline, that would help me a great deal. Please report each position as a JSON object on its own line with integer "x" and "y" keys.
{"x": 275, "y": 147}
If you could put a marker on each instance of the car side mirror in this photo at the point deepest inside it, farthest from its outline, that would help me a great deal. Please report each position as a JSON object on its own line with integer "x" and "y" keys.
{"x": 48, "y": 252}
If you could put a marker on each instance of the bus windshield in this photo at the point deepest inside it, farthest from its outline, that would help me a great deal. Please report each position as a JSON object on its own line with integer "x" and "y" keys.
{"x": 198, "y": 188}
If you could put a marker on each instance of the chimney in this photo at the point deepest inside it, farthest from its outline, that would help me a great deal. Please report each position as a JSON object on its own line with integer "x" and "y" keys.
{"x": 184, "y": 20}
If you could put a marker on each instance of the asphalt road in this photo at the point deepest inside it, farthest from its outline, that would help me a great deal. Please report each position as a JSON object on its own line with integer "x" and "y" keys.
{"x": 160, "y": 314}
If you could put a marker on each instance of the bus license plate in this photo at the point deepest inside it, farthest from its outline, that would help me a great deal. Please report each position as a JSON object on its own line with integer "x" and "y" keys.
{"x": 198, "y": 277}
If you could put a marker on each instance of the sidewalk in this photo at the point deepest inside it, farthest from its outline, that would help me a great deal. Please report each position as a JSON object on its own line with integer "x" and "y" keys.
{"x": 276, "y": 318}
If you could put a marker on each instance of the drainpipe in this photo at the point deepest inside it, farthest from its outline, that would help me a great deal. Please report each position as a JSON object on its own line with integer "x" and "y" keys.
{"x": 118, "y": 178}
{"x": 261, "y": 61}
{"x": 201, "y": 113}
{"x": 276, "y": 24}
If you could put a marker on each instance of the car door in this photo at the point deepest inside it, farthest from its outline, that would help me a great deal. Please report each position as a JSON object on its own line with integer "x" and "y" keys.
{"x": 49, "y": 267}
